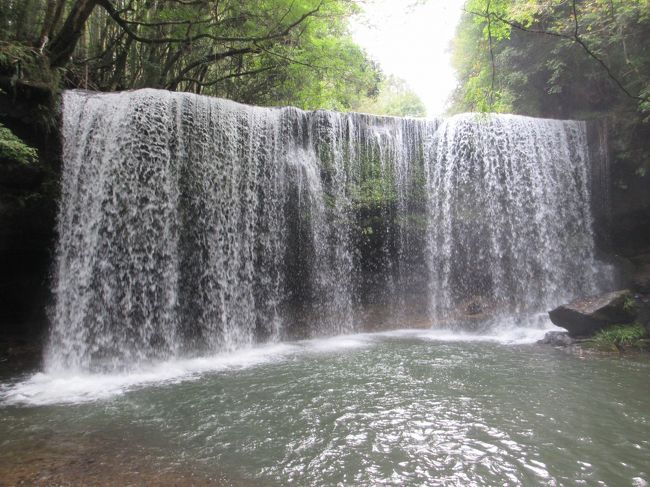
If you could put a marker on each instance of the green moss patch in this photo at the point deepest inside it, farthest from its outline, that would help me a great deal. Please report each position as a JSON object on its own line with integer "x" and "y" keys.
{"x": 13, "y": 149}
{"x": 27, "y": 65}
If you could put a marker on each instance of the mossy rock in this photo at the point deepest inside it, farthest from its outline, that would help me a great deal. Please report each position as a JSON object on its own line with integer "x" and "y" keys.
{"x": 14, "y": 150}
{"x": 29, "y": 88}
{"x": 585, "y": 316}
{"x": 26, "y": 65}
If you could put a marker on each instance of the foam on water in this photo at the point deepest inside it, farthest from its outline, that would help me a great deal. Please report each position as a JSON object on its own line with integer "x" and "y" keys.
{"x": 78, "y": 387}
{"x": 526, "y": 329}
{"x": 47, "y": 388}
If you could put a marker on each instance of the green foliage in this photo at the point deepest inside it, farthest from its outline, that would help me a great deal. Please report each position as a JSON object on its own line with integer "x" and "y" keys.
{"x": 618, "y": 337}
{"x": 486, "y": 16}
{"x": 266, "y": 52}
{"x": 25, "y": 76}
{"x": 526, "y": 56}
{"x": 374, "y": 192}
{"x": 472, "y": 60}
{"x": 23, "y": 63}
{"x": 13, "y": 149}
{"x": 629, "y": 305}
{"x": 395, "y": 98}
{"x": 644, "y": 106}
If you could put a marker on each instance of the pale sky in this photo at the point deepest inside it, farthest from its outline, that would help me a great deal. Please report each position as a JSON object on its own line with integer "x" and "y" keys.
{"x": 412, "y": 42}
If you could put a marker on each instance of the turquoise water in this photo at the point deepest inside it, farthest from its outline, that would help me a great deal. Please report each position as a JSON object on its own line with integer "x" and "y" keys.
{"x": 405, "y": 408}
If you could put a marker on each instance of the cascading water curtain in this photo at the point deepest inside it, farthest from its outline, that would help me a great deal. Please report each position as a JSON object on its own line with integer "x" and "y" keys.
{"x": 193, "y": 225}
{"x": 510, "y": 226}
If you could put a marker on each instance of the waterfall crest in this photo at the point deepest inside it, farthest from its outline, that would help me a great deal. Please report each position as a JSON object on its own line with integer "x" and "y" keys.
{"x": 191, "y": 224}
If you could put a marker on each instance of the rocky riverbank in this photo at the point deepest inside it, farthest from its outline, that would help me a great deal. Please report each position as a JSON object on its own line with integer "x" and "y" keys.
{"x": 97, "y": 461}
{"x": 614, "y": 321}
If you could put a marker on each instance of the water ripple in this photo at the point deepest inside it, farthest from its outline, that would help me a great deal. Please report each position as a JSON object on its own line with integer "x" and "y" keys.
{"x": 383, "y": 410}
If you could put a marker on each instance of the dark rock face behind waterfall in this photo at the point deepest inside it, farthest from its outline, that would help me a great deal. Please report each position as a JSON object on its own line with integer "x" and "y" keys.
{"x": 28, "y": 205}
{"x": 190, "y": 224}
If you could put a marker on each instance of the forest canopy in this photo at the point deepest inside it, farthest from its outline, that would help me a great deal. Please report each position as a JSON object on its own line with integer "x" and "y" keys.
{"x": 265, "y": 52}
{"x": 395, "y": 98}
{"x": 560, "y": 58}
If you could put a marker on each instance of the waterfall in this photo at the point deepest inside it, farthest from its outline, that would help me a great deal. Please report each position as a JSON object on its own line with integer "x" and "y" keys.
{"x": 191, "y": 224}
{"x": 510, "y": 226}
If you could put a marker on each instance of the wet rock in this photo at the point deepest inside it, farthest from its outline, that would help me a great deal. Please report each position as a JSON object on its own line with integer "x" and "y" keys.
{"x": 641, "y": 280}
{"x": 643, "y": 310}
{"x": 639, "y": 273}
{"x": 474, "y": 307}
{"x": 584, "y": 317}
{"x": 557, "y": 339}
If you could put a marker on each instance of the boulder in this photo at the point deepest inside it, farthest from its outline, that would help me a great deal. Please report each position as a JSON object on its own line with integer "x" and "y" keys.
{"x": 584, "y": 317}
{"x": 557, "y": 339}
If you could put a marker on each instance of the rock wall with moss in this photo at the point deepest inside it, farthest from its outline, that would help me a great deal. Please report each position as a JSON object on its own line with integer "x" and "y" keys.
{"x": 29, "y": 169}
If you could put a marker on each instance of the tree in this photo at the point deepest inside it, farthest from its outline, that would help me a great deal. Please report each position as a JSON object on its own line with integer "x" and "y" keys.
{"x": 257, "y": 51}
{"x": 581, "y": 54}
{"x": 395, "y": 98}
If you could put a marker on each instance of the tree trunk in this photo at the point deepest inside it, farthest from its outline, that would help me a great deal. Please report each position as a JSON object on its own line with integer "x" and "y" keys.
{"x": 119, "y": 72}
{"x": 58, "y": 11}
{"x": 47, "y": 23}
{"x": 64, "y": 43}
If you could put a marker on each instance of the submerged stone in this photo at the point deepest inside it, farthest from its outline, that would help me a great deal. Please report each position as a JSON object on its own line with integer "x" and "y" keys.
{"x": 557, "y": 339}
{"x": 585, "y": 316}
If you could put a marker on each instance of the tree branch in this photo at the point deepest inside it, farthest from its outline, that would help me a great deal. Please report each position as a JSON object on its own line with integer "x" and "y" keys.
{"x": 208, "y": 59}
{"x": 489, "y": 26}
{"x": 64, "y": 43}
{"x": 231, "y": 75}
{"x": 574, "y": 37}
{"x": 110, "y": 9}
